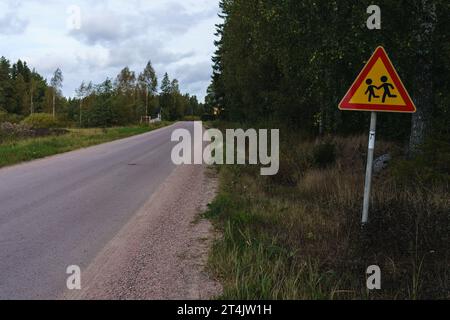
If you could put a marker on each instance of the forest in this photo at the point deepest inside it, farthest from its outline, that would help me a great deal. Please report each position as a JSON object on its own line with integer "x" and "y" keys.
{"x": 290, "y": 62}
{"x": 115, "y": 102}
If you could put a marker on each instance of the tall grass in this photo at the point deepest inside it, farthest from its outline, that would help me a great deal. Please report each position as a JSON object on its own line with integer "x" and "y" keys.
{"x": 297, "y": 235}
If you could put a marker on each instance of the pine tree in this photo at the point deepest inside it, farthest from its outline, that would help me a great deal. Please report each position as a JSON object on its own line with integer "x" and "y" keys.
{"x": 216, "y": 92}
{"x": 6, "y": 86}
{"x": 165, "y": 96}
{"x": 166, "y": 84}
{"x": 20, "y": 93}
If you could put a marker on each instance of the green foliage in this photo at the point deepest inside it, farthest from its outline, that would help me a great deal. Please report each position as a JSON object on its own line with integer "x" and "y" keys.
{"x": 128, "y": 99}
{"x": 174, "y": 105}
{"x": 431, "y": 166}
{"x": 41, "y": 121}
{"x": 191, "y": 118}
{"x": 10, "y": 117}
{"x": 207, "y": 117}
{"x": 24, "y": 91}
{"x": 292, "y": 61}
{"x": 124, "y": 101}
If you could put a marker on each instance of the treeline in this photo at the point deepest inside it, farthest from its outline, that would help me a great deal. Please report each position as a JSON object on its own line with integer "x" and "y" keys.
{"x": 23, "y": 91}
{"x": 127, "y": 99}
{"x": 291, "y": 62}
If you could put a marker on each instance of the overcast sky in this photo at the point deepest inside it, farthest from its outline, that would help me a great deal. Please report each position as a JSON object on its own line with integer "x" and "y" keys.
{"x": 176, "y": 35}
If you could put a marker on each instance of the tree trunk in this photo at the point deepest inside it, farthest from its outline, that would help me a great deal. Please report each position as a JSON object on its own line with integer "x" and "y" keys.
{"x": 424, "y": 96}
{"x": 146, "y": 102}
{"x": 31, "y": 101}
{"x": 54, "y": 108}
{"x": 81, "y": 110}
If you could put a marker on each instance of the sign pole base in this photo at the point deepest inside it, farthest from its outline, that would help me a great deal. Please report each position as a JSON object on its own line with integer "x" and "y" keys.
{"x": 368, "y": 184}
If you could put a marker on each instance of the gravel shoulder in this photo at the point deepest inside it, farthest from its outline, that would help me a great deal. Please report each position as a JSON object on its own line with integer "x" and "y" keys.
{"x": 161, "y": 253}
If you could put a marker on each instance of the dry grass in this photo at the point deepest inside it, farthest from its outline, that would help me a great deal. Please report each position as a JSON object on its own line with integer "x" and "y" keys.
{"x": 298, "y": 235}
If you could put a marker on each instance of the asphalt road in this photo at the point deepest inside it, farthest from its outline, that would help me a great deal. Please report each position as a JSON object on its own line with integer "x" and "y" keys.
{"x": 64, "y": 210}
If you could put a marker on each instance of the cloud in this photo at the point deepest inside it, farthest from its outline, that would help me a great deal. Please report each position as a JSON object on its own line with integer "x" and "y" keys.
{"x": 140, "y": 50}
{"x": 176, "y": 19}
{"x": 49, "y": 62}
{"x": 11, "y": 23}
{"x": 194, "y": 73}
{"x": 176, "y": 35}
{"x": 106, "y": 28}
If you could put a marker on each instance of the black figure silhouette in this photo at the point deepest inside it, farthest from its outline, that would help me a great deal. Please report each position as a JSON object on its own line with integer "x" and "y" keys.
{"x": 371, "y": 90}
{"x": 386, "y": 86}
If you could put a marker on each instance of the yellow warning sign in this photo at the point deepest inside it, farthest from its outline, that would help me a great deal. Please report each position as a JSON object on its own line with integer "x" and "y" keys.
{"x": 378, "y": 88}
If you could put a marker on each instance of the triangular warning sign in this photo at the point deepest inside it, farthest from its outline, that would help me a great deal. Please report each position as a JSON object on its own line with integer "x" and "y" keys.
{"x": 378, "y": 88}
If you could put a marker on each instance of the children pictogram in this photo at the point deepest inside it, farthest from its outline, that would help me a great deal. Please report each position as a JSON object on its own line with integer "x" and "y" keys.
{"x": 378, "y": 88}
{"x": 371, "y": 89}
{"x": 387, "y": 88}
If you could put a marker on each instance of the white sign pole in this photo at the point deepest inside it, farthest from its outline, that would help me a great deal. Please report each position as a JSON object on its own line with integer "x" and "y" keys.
{"x": 368, "y": 185}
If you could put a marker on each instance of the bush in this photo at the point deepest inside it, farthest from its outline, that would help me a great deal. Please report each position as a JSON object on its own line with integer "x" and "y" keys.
{"x": 431, "y": 166}
{"x": 10, "y": 131}
{"x": 41, "y": 121}
{"x": 192, "y": 118}
{"x": 324, "y": 154}
{"x": 208, "y": 117}
{"x": 9, "y": 117}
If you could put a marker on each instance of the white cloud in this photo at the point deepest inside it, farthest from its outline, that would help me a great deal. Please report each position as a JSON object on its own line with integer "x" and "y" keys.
{"x": 176, "y": 35}
{"x": 11, "y": 21}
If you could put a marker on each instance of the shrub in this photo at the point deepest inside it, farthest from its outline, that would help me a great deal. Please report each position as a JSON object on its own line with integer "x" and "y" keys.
{"x": 431, "y": 166}
{"x": 192, "y": 118}
{"x": 10, "y": 130}
{"x": 208, "y": 117}
{"x": 9, "y": 117}
{"x": 293, "y": 163}
{"x": 41, "y": 121}
{"x": 324, "y": 154}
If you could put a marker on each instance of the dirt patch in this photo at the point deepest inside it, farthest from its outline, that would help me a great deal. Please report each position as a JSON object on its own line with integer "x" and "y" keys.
{"x": 162, "y": 252}
{"x": 44, "y": 132}
{"x": 12, "y": 132}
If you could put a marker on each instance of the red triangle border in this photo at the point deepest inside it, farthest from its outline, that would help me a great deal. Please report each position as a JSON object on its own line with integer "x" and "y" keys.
{"x": 380, "y": 53}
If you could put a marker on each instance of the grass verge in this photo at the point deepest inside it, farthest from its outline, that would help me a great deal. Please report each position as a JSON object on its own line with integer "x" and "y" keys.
{"x": 13, "y": 152}
{"x": 297, "y": 235}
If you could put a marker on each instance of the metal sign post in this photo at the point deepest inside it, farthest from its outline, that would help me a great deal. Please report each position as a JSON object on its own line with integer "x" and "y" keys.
{"x": 368, "y": 185}
{"x": 378, "y": 88}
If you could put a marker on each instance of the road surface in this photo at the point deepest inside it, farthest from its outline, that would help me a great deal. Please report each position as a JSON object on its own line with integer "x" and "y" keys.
{"x": 65, "y": 209}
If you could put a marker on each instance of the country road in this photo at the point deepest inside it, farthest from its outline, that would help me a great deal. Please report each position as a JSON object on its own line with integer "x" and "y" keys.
{"x": 66, "y": 209}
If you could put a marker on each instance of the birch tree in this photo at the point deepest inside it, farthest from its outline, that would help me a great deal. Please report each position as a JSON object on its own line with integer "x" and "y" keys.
{"x": 56, "y": 84}
{"x": 148, "y": 82}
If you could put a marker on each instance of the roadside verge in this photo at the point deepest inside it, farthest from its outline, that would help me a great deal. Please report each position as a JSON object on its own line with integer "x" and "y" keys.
{"x": 18, "y": 151}
{"x": 162, "y": 252}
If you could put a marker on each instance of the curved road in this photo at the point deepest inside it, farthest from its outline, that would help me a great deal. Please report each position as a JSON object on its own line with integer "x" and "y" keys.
{"x": 63, "y": 210}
